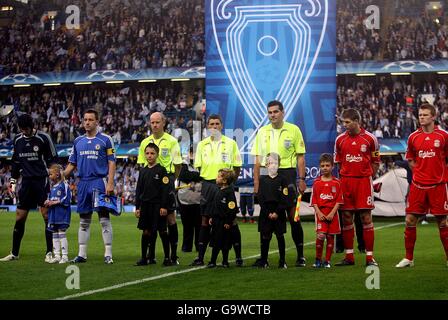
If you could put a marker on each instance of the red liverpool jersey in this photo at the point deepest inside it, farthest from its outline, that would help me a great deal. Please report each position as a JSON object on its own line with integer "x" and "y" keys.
{"x": 326, "y": 194}
{"x": 430, "y": 152}
{"x": 355, "y": 154}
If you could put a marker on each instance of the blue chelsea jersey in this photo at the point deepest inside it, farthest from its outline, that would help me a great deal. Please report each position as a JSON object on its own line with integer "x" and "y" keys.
{"x": 91, "y": 155}
{"x": 60, "y": 213}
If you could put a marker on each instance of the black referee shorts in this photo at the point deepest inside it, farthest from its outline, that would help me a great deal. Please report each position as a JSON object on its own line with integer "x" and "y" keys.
{"x": 32, "y": 193}
{"x": 208, "y": 193}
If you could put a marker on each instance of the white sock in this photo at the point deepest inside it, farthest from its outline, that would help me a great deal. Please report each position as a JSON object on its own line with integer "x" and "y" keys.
{"x": 56, "y": 244}
{"x": 83, "y": 236}
{"x": 106, "y": 228}
{"x": 64, "y": 243}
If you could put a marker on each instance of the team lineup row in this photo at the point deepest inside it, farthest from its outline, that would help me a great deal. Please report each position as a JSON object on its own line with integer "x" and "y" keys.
{"x": 279, "y": 151}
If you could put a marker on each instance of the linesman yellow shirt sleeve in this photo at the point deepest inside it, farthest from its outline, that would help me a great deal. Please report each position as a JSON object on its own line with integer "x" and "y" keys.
{"x": 141, "y": 151}
{"x": 169, "y": 151}
{"x": 211, "y": 156}
{"x": 287, "y": 142}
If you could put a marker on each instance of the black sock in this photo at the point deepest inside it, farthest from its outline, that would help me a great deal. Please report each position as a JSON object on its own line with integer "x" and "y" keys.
{"x": 48, "y": 238}
{"x": 281, "y": 247}
{"x": 297, "y": 236}
{"x": 204, "y": 238}
{"x": 165, "y": 243}
{"x": 152, "y": 246}
{"x": 17, "y": 235}
{"x": 265, "y": 249}
{"x": 174, "y": 237}
{"x": 225, "y": 256}
{"x": 215, "y": 252}
{"x": 236, "y": 240}
{"x": 145, "y": 242}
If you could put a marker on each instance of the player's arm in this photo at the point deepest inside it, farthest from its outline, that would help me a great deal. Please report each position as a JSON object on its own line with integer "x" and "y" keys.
{"x": 319, "y": 213}
{"x": 50, "y": 154}
{"x": 15, "y": 170}
{"x": 110, "y": 177}
{"x": 411, "y": 163}
{"x": 333, "y": 212}
{"x": 69, "y": 169}
{"x": 177, "y": 168}
{"x": 375, "y": 167}
{"x": 302, "y": 172}
{"x": 257, "y": 166}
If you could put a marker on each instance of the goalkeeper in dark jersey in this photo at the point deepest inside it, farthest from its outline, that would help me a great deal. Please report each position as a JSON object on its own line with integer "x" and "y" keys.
{"x": 33, "y": 153}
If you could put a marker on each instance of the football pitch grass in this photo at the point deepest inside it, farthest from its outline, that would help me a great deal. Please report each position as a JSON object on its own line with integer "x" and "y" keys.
{"x": 31, "y": 278}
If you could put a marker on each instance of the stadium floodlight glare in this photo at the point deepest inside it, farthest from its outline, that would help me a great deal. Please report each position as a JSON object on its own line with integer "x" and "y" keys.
{"x": 115, "y": 81}
{"x": 147, "y": 80}
{"x": 366, "y": 74}
{"x": 7, "y": 8}
{"x": 82, "y": 83}
{"x": 180, "y": 79}
{"x": 442, "y": 72}
{"x": 400, "y": 73}
{"x": 52, "y": 84}
{"x": 21, "y": 85}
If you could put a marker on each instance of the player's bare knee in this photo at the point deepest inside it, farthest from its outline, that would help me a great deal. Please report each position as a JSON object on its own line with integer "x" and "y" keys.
{"x": 411, "y": 220}
{"x": 321, "y": 236}
{"x": 441, "y": 221}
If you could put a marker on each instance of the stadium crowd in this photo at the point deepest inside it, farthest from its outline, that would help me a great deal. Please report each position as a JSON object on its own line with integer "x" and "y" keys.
{"x": 123, "y": 112}
{"x": 113, "y": 34}
{"x": 390, "y": 111}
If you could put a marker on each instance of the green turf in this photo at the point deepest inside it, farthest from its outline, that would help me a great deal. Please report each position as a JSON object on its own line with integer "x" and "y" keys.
{"x": 31, "y": 278}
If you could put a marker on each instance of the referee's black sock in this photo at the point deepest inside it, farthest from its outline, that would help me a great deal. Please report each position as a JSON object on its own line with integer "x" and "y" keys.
{"x": 215, "y": 252}
{"x": 48, "y": 238}
{"x": 264, "y": 249}
{"x": 281, "y": 247}
{"x": 174, "y": 238}
{"x": 236, "y": 240}
{"x": 297, "y": 236}
{"x": 17, "y": 235}
{"x": 145, "y": 242}
{"x": 152, "y": 247}
{"x": 204, "y": 238}
{"x": 165, "y": 243}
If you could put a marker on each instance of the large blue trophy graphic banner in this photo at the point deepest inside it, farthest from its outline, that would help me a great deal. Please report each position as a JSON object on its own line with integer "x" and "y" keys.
{"x": 263, "y": 50}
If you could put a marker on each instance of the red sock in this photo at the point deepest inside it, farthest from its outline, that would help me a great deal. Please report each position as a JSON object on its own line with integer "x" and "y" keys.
{"x": 369, "y": 239}
{"x": 444, "y": 238}
{"x": 319, "y": 248}
{"x": 348, "y": 235}
{"x": 330, "y": 246}
{"x": 410, "y": 236}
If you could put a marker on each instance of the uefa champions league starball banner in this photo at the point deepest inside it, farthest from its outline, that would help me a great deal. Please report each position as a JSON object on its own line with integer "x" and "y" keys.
{"x": 261, "y": 50}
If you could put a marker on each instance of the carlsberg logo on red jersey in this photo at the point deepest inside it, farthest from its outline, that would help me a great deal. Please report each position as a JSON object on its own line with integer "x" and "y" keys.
{"x": 326, "y": 196}
{"x": 353, "y": 158}
{"x": 426, "y": 154}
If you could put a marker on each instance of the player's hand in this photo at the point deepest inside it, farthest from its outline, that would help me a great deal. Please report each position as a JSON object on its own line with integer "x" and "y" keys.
{"x": 321, "y": 216}
{"x": 329, "y": 217}
{"x": 110, "y": 188}
{"x": 137, "y": 213}
{"x": 210, "y": 221}
{"x": 47, "y": 203}
{"x": 163, "y": 212}
{"x": 227, "y": 226}
{"x": 274, "y": 216}
{"x": 12, "y": 184}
